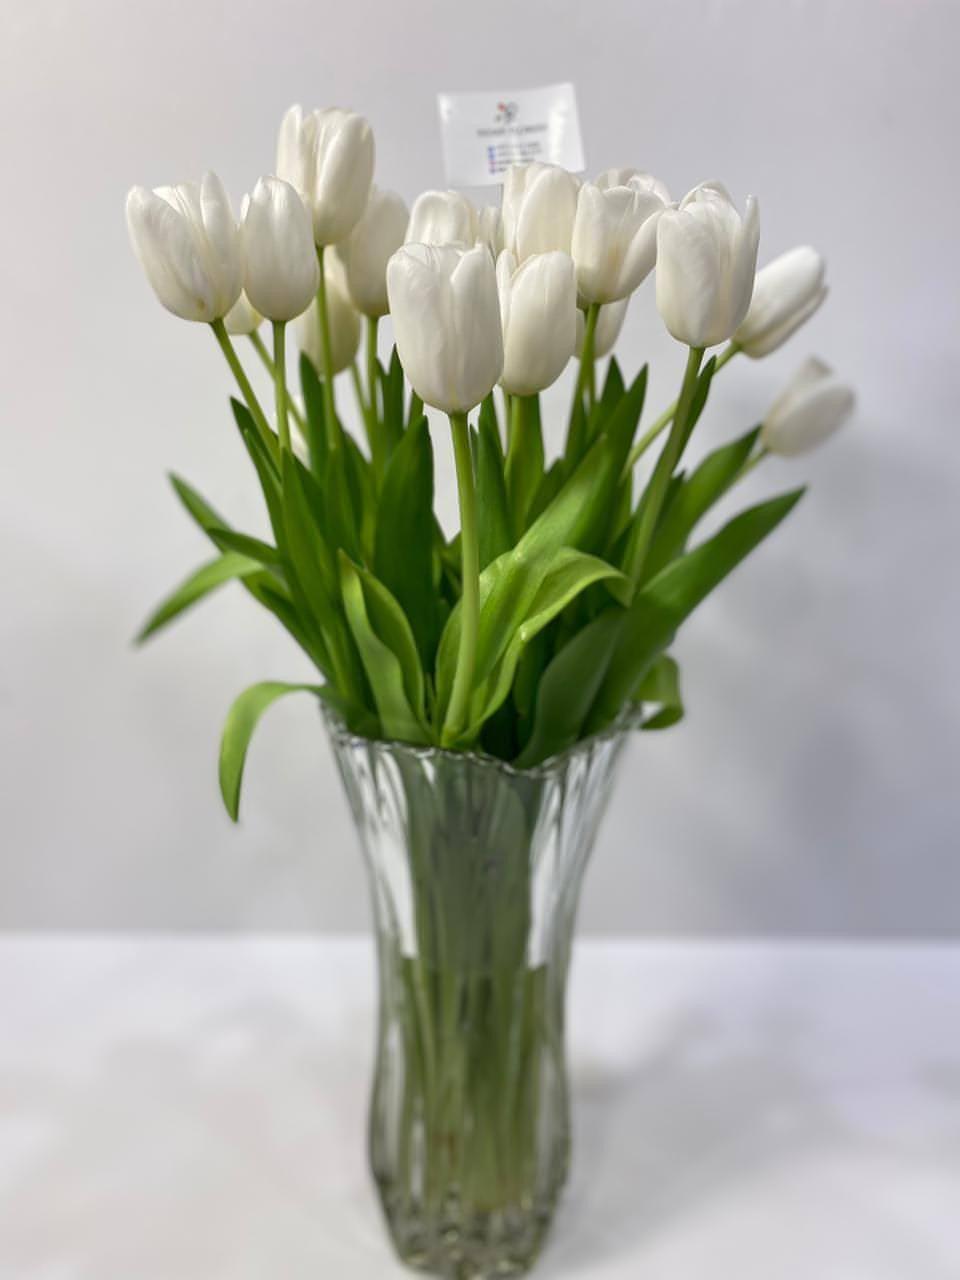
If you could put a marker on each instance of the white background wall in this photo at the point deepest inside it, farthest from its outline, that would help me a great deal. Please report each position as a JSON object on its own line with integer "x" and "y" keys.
{"x": 813, "y": 787}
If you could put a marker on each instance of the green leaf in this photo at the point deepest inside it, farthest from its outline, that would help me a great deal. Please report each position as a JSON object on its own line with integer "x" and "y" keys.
{"x": 661, "y": 687}
{"x": 391, "y": 391}
{"x": 242, "y": 719}
{"x": 315, "y": 413}
{"x": 254, "y": 548}
{"x": 621, "y": 424}
{"x": 669, "y": 598}
{"x": 304, "y": 536}
{"x": 200, "y": 583}
{"x": 577, "y": 438}
{"x": 363, "y": 495}
{"x": 488, "y": 422}
{"x": 699, "y": 400}
{"x": 509, "y": 584}
{"x": 387, "y": 650}
{"x": 525, "y": 458}
{"x": 569, "y": 573}
{"x": 613, "y": 389}
{"x": 404, "y": 542}
{"x": 695, "y": 496}
{"x": 569, "y": 687}
{"x": 492, "y": 505}
{"x": 341, "y": 505}
{"x": 196, "y": 506}
{"x": 264, "y": 465}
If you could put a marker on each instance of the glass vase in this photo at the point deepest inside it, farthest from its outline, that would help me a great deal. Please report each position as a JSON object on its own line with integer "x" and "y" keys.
{"x": 475, "y": 869}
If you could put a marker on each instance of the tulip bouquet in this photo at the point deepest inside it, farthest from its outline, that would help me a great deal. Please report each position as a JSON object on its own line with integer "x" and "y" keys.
{"x": 546, "y": 620}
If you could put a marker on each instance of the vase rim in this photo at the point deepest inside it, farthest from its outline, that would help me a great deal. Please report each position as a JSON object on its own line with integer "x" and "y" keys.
{"x": 627, "y": 720}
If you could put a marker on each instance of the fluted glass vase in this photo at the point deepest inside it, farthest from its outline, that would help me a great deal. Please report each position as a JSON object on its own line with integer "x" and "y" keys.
{"x": 475, "y": 869}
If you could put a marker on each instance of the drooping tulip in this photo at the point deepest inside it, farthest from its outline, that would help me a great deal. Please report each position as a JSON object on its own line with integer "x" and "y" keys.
{"x": 812, "y": 406}
{"x": 242, "y": 319}
{"x": 786, "y": 293}
{"x": 609, "y": 323}
{"x": 280, "y": 262}
{"x": 368, "y": 248}
{"x": 442, "y": 217}
{"x": 539, "y": 207}
{"x": 446, "y": 319}
{"x": 328, "y": 155}
{"x": 706, "y": 262}
{"x": 636, "y": 180}
{"x": 188, "y": 243}
{"x": 345, "y": 325}
{"x": 614, "y": 242}
{"x": 538, "y": 313}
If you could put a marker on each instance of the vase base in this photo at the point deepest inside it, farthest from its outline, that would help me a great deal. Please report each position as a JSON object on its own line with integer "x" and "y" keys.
{"x": 487, "y": 1246}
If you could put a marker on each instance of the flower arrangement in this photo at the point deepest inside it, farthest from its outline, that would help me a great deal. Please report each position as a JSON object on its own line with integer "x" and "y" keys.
{"x": 476, "y": 683}
{"x": 554, "y": 606}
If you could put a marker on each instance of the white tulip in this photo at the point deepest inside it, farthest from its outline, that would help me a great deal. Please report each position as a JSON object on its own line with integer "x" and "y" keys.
{"x": 609, "y": 323}
{"x": 786, "y": 293}
{"x": 614, "y": 241}
{"x": 281, "y": 274}
{"x": 242, "y": 319}
{"x": 368, "y": 248}
{"x": 328, "y": 155}
{"x": 345, "y": 324}
{"x": 188, "y": 244}
{"x": 539, "y": 206}
{"x": 446, "y": 319}
{"x": 706, "y": 262}
{"x": 636, "y": 180}
{"x": 442, "y": 217}
{"x": 490, "y": 228}
{"x": 538, "y": 314}
{"x": 812, "y": 406}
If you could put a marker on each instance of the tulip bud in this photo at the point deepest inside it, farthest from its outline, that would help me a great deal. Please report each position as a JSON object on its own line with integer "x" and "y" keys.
{"x": 446, "y": 319}
{"x": 490, "y": 229}
{"x": 786, "y": 293}
{"x": 609, "y": 323}
{"x": 328, "y": 156}
{"x": 281, "y": 274}
{"x": 188, "y": 244}
{"x": 539, "y": 206}
{"x": 344, "y": 321}
{"x": 812, "y": 406}
{"x": 368, "y": 248}
{"x": 614, "y": 241}
{"x": 706, "y": 261}
{"x": 442, "y": 217}
{"x": 538, "y": 314}
{"x": 636, "y": 180}
{"x": 242, "y": 320}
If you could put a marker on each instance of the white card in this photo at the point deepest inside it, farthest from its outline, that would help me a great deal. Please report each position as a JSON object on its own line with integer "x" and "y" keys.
{"x": 485, "y": 133}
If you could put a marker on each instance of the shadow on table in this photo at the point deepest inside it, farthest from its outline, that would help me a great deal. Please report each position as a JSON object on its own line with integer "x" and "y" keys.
{"x": 688, "y": 1122}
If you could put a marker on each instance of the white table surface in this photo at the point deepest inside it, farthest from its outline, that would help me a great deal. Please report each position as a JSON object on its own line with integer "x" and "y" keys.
{"x": 178, "y": 1109}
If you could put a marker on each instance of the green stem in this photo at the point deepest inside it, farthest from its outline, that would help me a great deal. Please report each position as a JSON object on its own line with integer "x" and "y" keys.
{"x": 246, "y": 390}
{"x": 329, "y": 407}
{"x": 652, "y": 501}
{"x": 661, "y": 424}
{"x": 755, "y": 461}
{"x": 374, "y": 435}
{"x": 470, "y": 596}
{"x": 280, "y": 381}
{"x": 260, "y": 347}
{"x": 358, "y": 389}
{"x": 586, "y": 352}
